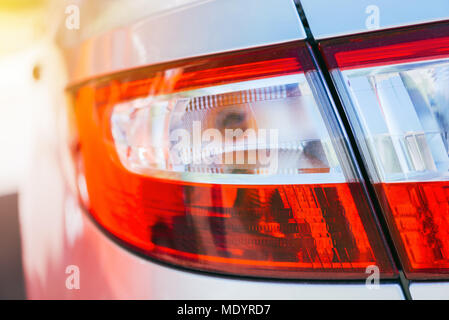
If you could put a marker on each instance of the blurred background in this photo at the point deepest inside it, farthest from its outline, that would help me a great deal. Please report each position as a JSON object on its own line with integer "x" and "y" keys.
{"x": 32, "y": 82}
{"x": 25, "y": 36}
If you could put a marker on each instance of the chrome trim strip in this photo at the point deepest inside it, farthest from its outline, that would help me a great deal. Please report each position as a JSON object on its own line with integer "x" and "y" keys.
{"x": 202, "y": 28}
{"x": 344, "y": 17}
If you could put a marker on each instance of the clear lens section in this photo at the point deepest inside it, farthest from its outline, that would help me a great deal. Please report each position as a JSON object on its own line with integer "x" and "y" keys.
{"x": 404, "y": 115}
{"x": 269, "y": 129}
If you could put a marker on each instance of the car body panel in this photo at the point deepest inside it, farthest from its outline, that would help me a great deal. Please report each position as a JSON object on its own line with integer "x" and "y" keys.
{"x": 196, "y": 29}
{"x": 429, "y": 291}
{"x": 347, "y": 17}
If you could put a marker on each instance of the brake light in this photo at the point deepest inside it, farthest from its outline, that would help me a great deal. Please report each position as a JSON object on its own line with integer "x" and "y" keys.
{"x": 269, "y": 189}
{"x": 394, "y": 87}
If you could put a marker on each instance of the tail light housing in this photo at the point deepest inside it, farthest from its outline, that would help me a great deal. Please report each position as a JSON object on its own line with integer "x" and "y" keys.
{"x": 395, "y": 89}
{"x": 232, "y": 163}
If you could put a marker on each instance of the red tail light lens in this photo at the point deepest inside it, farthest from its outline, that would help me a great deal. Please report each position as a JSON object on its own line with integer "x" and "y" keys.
{"x": 394, "y": 86}
{"x": 268, "y": 190}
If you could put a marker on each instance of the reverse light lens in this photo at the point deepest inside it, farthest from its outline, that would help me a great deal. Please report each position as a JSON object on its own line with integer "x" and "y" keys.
{"x": 395, "y": 88}
{"x": 269, "y": 189}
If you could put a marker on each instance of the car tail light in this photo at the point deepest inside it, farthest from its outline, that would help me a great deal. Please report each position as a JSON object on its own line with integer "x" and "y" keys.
{"x": 233, "y": 163}
{"x": 395, "y": 88}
